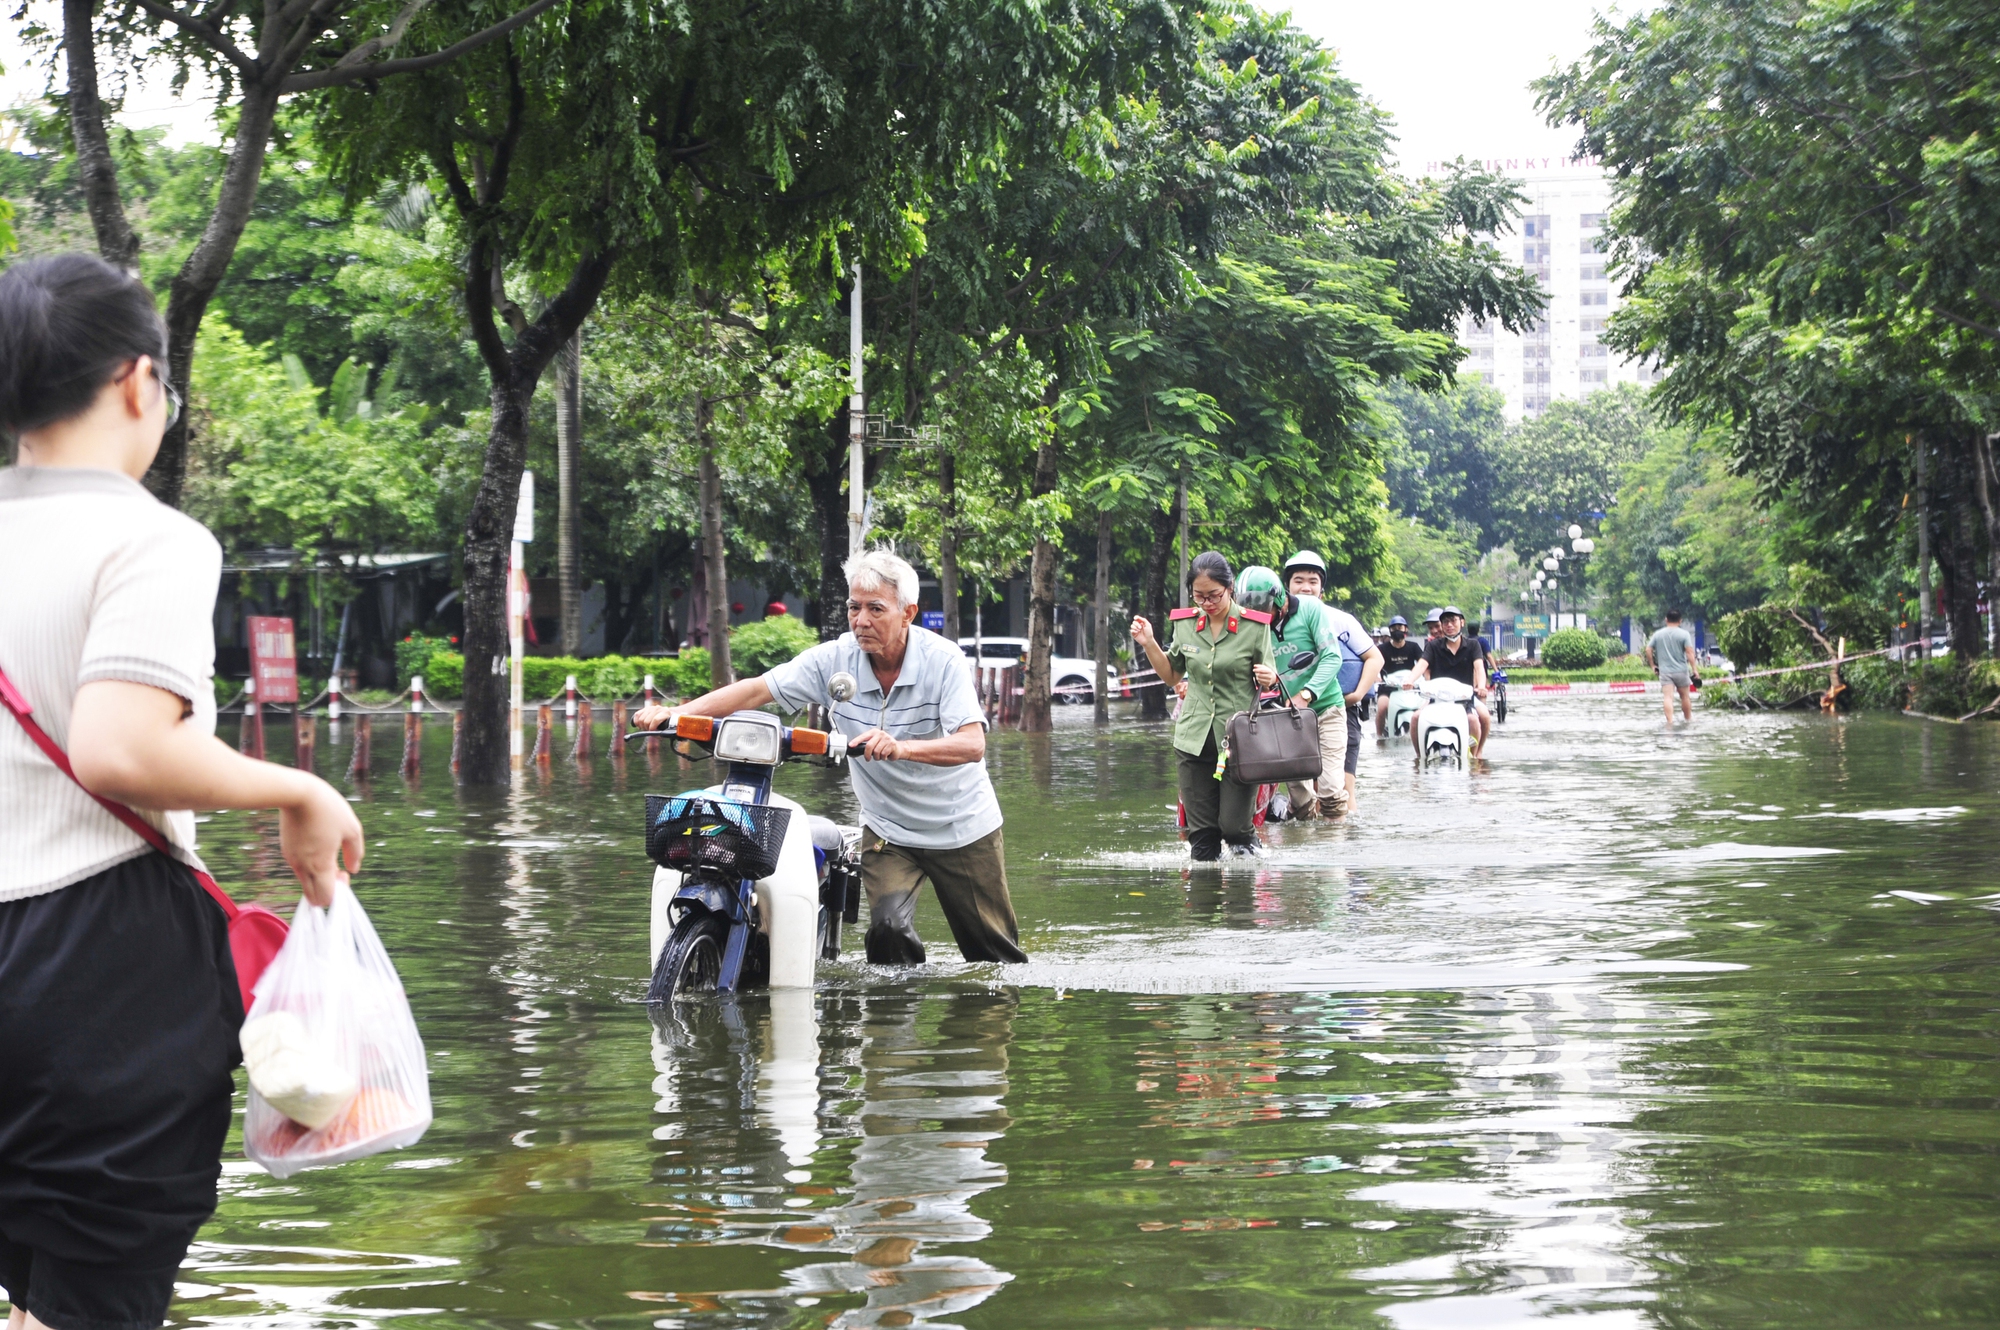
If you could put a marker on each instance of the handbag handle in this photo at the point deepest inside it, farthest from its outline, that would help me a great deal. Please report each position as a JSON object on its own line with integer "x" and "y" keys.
{"x": 12, "y": 698}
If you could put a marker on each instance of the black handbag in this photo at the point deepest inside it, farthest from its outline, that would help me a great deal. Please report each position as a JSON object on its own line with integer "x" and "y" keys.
{"x": 1273, "y": 746}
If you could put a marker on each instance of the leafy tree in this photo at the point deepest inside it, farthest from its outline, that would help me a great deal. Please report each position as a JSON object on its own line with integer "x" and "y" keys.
{"x": 1439, "y": 461}
{"x": 259, "y": 54}
{"x": 1564, "y": 466}
{"x": 1808, "y": 222}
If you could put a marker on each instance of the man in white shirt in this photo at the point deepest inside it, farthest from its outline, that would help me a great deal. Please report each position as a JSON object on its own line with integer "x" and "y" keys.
{"x": 927, "y": 807}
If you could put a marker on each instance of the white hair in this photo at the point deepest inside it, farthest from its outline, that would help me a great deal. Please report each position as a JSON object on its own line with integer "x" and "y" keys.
{"x": 883, "y": 569}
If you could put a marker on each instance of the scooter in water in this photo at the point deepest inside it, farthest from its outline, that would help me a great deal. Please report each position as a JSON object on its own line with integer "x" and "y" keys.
{"x": 1401, "y": 706}
{"x": 1443, "y": 727}
{"x": 749, "y": 888}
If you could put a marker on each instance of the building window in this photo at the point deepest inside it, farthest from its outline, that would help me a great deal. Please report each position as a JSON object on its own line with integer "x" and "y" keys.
{"x": 1537, "y": 225}
{"x": 1592, "y": 221}
{"x": 1590, "y": 351}
{"x": 1590, "y": 272}
{"x": 1597, "y": 374}
{"x": 1590, "y": 325}
{"x": 1534, "y": 405}
{"x": 1593, "y": 298}
{"x": 1590, "y": 245}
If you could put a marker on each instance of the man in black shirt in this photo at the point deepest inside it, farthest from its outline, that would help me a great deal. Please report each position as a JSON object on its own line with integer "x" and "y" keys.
{"x": 1455, "y": 654}
{"x": 1400, "y": 652}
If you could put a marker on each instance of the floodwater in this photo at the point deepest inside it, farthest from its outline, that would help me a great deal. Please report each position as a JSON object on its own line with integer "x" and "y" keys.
{"x": 1625, "y": 1028}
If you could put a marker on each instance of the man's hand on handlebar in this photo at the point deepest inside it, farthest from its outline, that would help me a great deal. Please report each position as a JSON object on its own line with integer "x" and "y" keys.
{"x": 654, "y": 717}
{"x": 876, "y": 746}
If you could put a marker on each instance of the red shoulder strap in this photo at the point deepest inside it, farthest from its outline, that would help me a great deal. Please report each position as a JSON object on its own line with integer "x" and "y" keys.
{"x": 1257, "y": 616}
{"x": 13, "y": 700}
{"x": 1185, "y": 613}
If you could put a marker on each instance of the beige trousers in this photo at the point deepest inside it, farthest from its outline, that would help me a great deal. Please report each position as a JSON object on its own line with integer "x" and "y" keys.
{"x": 1328, "y": 794}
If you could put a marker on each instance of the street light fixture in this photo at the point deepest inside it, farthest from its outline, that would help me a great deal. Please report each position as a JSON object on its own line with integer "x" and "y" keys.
{"x": 1575, "y": 531}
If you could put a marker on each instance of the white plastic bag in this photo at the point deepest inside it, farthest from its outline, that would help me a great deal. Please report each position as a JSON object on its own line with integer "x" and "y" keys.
{"x": 336, "y": 1067}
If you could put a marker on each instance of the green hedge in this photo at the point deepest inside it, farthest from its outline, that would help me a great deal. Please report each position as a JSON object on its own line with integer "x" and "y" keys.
{"x": 1615, "y": 672}
{"x": 1570, "y": 649}
{"x": 602, "y": 678}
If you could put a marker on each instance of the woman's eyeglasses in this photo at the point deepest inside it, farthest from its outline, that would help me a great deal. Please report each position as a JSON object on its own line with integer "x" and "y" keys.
{"x": 1209, "y": 597}
{"x": 172, "y": 394}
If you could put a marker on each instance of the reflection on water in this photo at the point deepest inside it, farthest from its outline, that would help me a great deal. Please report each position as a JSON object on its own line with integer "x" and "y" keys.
{"x": 1627, "y": 1027}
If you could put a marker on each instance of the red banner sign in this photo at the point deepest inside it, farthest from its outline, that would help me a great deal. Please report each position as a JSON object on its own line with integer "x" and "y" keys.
{"x": 273, "y": 659}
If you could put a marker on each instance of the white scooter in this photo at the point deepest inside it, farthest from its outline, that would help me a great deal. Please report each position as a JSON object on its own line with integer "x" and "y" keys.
{"x": 749, "y": 887}
{"x": 1443, "y": 726}
{"x": 1400, "y": 708}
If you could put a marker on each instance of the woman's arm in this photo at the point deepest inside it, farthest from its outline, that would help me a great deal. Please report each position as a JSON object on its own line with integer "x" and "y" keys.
{"x": 129, "y": 742}
{"x": 1142, "y": 633}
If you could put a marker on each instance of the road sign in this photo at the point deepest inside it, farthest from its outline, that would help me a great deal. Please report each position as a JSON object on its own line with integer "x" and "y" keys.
{"x": 1531, "y": 625}
{"x": 274, "y": 659}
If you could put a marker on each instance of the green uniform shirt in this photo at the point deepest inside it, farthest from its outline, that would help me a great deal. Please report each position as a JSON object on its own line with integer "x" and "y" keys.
{"x": 1310, "y": 628}
{"x": 1217, "y": 666}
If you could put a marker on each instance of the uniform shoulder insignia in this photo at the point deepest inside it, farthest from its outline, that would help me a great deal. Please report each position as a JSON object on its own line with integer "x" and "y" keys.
{"x": 1257, "y": 616}
{"x": 1187, "y": 613}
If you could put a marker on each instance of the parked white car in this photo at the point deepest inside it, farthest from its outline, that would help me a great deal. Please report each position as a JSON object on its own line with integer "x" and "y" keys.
{"x": 1071, "y": 679}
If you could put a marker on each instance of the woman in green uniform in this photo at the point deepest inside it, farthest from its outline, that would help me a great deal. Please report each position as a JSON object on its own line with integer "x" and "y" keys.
{"x": 1225, "y": 654}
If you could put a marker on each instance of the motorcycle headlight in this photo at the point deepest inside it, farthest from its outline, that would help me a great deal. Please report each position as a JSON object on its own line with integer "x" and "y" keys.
{"x": 747, "y": 741}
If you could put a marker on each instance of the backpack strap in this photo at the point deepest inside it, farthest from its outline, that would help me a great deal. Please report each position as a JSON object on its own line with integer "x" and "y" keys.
{"x": 12, "y": 698}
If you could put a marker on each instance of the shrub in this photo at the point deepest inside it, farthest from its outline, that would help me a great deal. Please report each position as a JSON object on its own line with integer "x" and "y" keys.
{"x": 757, "y": 647}
{"x": 1573, "y": 649}
{"x": 444, "y": 674}
{"x": 686, "y": 675}
{"x": 609, "y": 677}
{"x": 413, "y": 656}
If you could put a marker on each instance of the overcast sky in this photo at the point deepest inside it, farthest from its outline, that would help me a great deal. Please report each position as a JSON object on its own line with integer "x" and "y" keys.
{"x": 1454, "y": 73}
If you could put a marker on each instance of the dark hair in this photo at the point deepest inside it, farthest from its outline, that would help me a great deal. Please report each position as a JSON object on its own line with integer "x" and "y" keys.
{"x": 1673, "y": 616}
{"x": 66, "y": 325}
{"x": 1215, "y": 568}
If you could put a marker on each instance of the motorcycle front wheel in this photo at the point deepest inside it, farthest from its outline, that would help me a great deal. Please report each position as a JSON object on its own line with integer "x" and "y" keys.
{"x": 691, "y": 962}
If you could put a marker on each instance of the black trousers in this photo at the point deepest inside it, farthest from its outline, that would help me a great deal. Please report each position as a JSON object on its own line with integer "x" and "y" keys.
{"x": 118, "y": 1017}
{"x": 1217, "y": 810}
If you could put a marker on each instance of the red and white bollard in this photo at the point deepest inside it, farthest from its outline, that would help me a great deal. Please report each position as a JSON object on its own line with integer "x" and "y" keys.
{"x": 333, "y": 698}
{"x": 416, "y": 692}
{"x": 569, "y": 699}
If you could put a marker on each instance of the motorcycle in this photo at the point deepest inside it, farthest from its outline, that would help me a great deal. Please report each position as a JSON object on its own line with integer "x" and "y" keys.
{"x": 1443, "y": 726}
{"x": 748, "y": 889}
{"x": 1400, "y": 707}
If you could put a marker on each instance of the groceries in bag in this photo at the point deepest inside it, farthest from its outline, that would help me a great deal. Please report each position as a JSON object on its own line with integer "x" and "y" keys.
{"x": 336, "y": 1066}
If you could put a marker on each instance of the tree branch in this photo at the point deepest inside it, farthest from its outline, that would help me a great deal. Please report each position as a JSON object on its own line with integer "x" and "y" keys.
{"x": 207, "y": 32}
{"x": 344, "y": 73}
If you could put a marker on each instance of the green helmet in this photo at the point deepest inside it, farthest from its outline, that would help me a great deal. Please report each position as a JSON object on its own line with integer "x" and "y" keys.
{"x": 1258, "y": 588}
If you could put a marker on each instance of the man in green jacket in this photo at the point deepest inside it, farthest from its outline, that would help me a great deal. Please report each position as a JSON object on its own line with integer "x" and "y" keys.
{"x": 1301, "y": 623}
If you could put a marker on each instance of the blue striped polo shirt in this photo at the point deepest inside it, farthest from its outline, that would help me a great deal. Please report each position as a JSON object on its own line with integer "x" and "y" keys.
{"x": 906, "y": 803}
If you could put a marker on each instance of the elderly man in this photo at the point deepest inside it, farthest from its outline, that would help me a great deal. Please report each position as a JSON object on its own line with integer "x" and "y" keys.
{"x": 927, "y": 808}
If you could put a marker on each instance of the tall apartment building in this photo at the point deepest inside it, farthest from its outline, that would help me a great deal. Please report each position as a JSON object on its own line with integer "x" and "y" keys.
{"x": 1557, "y": 239}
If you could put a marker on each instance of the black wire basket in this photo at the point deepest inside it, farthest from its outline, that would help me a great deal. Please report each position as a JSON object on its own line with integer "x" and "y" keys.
{"x": 686, "y": 832}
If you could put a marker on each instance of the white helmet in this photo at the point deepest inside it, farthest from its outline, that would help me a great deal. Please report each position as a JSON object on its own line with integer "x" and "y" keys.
{"x": 1307, "y": 560}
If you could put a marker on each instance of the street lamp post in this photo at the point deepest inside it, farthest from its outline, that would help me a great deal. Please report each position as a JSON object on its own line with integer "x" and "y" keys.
{"x": 1582, "y": 547}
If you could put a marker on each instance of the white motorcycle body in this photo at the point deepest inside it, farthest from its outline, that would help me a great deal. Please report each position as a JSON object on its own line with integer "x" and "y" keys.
{"x": 1401, "y": 707}
{"x": 787, "y": 901}
{"x": 1444, "y": 731}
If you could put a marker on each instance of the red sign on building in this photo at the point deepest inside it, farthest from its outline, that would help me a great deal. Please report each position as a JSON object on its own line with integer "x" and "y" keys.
{"x": 273, "y": 659}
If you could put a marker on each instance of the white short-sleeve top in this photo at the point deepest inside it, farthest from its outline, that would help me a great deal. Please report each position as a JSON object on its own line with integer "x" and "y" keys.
{"x": 906, "y": 803}
{"x": 98, "y": 580}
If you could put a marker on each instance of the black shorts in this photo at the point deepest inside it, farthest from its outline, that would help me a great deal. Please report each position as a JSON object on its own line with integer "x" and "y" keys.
{"x": 1353, "y": 739}
{"x": 118, "y": 1017}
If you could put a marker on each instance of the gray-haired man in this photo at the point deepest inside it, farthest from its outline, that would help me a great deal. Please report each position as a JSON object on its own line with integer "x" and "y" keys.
{"x": 927, "y": 808}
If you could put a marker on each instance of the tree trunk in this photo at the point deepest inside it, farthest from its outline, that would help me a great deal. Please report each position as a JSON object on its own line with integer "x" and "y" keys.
{"x": 569, "y": 442}
{"x": 96, "y": 169}
{"x": 714, "y": 555}
{"x": 948, "y": 545}
{"x": 489, "y": 530}
{"x": 1957, "y": 543}
{"x": 1100, "y": 618}
{"x": 1165, "y": 525}
{"x": 1035, "y": 700}
{"x": 1923, "y": 549}
{"x": 513, "y": 371}
{"x": 195, "y": 284}
{"x": 1988, "y": 489}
